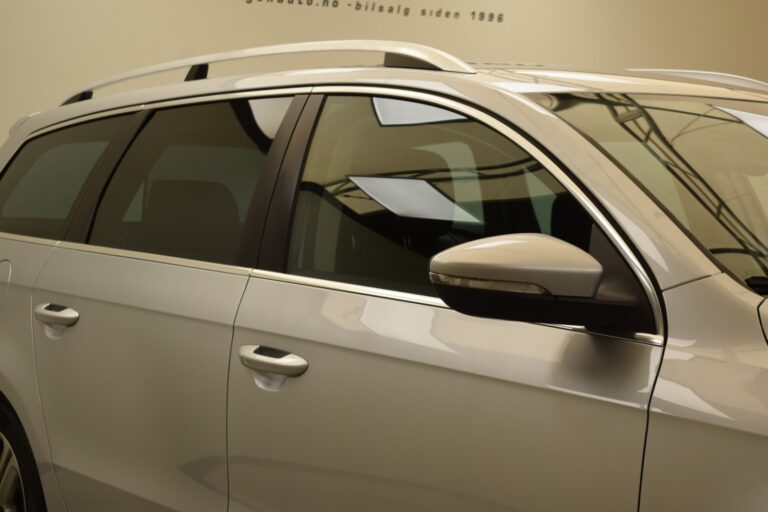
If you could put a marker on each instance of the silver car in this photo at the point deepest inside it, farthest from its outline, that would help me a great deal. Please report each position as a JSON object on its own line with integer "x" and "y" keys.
{"x": 421, "y": 286}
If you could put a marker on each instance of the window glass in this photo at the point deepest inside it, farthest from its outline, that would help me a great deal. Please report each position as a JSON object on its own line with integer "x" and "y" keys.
{"x": 389, "y": 183}
{"x": 39, "y": 189}
{"x": 186, "y": 186}
{"x": 705, "y": 160}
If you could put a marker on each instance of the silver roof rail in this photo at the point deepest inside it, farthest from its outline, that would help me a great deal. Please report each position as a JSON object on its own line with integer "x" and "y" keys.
{"x": 711, "y": 76}
{"x": 396, "y": 54}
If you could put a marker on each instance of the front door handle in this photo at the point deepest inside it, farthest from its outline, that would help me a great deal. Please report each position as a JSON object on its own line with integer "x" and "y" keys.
{"x": 269, "y": 360}
{"x": 54, "y": 314}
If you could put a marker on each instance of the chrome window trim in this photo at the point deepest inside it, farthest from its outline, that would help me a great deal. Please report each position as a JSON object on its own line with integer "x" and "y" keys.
{"x": 156, "y": 258}
{"x": 349, "y": 288}
{"x": 27, "y": 239}
{"x": 81, "y": 120}
{"x": 656, "y": 338}
{"x": 261, "y": 93}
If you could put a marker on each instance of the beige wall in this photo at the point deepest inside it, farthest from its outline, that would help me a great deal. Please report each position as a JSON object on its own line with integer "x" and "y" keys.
{"x": 49, "y": 48}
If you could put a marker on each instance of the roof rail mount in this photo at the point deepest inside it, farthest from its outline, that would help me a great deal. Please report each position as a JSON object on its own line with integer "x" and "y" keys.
{"x": 396, "y": 55}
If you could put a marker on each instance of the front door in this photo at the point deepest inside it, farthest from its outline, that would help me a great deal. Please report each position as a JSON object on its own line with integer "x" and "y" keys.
{"x": 405, "y": 404}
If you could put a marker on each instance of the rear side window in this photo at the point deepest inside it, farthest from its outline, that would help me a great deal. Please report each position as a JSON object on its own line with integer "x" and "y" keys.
{"x": 186, "y": 186}
{"x": 39, "y": 189}
{"x": 389, "y": 183}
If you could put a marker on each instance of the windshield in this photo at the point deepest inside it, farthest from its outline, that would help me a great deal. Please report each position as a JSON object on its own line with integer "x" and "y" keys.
{"x": 705, "y": 160}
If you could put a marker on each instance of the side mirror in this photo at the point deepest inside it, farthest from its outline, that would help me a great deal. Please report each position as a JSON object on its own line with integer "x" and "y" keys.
{"x": 529, "y": 278}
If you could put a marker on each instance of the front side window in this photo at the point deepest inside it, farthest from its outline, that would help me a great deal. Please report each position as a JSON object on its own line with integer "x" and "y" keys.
{"x": 705, "y": 160}
{"x": 186, "y": 186}
{"x": 39, "y": 188}
{"x": 389, "y": 183}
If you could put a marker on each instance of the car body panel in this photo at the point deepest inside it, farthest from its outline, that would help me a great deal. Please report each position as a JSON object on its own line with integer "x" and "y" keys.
{"x": 21, "y": 260}
{"x": 134, "y": 392}
{"x": 707, "y": 446}
{"x": 417, "y": 407}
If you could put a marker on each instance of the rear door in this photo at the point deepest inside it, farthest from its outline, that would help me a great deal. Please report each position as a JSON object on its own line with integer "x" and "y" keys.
{"x": 134, "y": 321}
{"x": 353, "y": 387}
{"x": 38, "y": 196}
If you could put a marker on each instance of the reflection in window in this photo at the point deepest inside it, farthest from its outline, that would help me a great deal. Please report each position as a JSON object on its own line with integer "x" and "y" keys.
{"x": 393, "y": 112}
{"x": 411, "y": 198}
{"x": 39, "y": 189}
{"x": 705, "y": 160}
{"x": 187, "y": 184}
{"x": 757, "y": 122}
{"x": 378, "y": 198}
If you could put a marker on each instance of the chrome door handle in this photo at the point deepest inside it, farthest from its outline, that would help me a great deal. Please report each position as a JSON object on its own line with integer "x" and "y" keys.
{"x": 274, "y": 361}
{"x": 54, "y": 314}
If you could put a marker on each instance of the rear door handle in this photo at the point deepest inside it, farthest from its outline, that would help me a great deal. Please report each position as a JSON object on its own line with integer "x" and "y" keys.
{"x": 270, "y": 360}
{"x": 54, "y": 314}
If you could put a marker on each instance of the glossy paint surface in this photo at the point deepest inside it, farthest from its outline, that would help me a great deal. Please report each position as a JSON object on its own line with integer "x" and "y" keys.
{"x": 21, "y": 260}
{"x": 416, "y": 407}
{"x": 708, "y": 432}
{"x": 406, "y": 404}
{"x": 134, "y": 393}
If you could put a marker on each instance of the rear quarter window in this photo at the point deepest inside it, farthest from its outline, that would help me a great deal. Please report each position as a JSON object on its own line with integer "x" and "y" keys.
{"x": 40, "y": 187}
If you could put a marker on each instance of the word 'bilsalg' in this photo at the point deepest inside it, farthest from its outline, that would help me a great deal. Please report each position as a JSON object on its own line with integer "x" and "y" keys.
{"x": 383, "y": 8}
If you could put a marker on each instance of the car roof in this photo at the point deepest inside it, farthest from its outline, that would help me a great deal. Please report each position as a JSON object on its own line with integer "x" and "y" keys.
{"x": 406, "y": 66}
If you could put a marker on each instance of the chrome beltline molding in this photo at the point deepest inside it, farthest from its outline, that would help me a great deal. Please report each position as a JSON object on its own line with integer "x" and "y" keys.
{"x": 349, "y": 287}
{"x": 156, "y": 258}
{"x": 28, "y": 239}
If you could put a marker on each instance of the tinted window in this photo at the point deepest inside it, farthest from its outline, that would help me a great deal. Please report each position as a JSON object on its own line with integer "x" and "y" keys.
{"x": 39, "y": 189}
{"x": 389, "y": 183}
{"x": 186, "y": 186}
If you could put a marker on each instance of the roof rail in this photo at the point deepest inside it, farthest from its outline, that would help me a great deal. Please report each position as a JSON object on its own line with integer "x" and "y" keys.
{"x": 711, "y": 76}
{"x": 396, "y": 55}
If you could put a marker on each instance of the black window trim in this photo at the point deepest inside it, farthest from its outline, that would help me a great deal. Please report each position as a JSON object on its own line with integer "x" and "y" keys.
{"x": 279, "y": 217}
{"x": 85, "y": 205}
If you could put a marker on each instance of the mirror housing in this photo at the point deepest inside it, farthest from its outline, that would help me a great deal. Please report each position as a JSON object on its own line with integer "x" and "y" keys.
{"x": 532, "y": 278}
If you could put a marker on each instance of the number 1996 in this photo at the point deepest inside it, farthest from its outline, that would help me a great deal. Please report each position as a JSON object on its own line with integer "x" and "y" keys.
{"x": 487, "y": 16}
